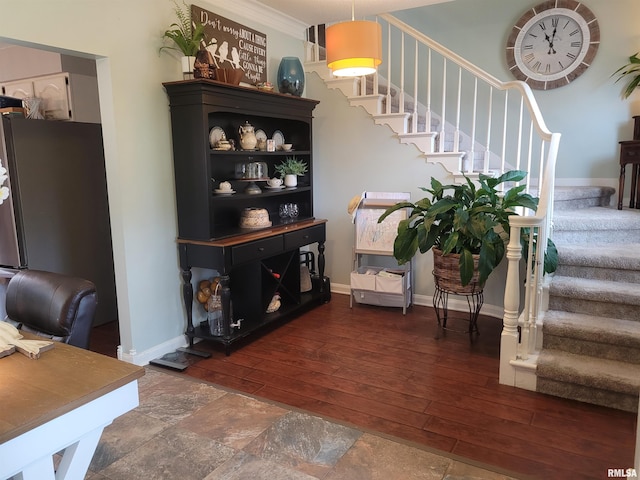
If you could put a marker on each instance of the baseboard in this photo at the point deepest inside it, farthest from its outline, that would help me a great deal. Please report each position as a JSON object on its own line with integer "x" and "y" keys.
{"x": 455, "y": 304}
{"x": 143, "y": 358}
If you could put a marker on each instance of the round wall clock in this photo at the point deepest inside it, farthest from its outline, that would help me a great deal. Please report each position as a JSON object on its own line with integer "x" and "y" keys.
{"x": 553, "y": 43}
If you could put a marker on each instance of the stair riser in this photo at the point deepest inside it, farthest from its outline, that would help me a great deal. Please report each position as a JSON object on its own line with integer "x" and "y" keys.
{"x": 593, "y": 349}
{"x": 584, "y": 237}
{"x": 588, "y": 394}
{"x": 603, "y": 309}
{"x": 595, "y": 273}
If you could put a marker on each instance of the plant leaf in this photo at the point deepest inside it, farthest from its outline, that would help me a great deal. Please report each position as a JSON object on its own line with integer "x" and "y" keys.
{"x": 466, "y": 267}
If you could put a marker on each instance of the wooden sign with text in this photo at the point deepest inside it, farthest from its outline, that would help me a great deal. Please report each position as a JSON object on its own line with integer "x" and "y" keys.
{"x": 234, "y": 46}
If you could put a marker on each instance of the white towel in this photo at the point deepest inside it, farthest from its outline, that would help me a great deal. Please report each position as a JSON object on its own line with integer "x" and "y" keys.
{"x": 11, "y": 336}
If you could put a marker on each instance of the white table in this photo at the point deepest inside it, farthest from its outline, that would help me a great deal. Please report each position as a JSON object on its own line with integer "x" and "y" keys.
{"x": 62, "y": 401}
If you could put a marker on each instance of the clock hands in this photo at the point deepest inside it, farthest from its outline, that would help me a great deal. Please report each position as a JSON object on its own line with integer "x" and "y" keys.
{"x": 553, "y": 36}
{"x": 550, "y": 41}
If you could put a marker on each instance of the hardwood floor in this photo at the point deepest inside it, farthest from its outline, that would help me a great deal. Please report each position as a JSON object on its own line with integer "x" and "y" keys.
{"x": 402, "y": 376}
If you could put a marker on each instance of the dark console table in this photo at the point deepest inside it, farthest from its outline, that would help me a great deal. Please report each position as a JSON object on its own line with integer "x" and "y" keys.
{"x": 630, "y": 154}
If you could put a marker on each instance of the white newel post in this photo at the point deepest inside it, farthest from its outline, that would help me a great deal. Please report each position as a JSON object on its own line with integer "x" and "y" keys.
{"x": 509, "y": 337}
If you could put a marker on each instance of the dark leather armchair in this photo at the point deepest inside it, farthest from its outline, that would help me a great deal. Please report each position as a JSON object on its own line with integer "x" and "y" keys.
{"x": 52, "y": 305}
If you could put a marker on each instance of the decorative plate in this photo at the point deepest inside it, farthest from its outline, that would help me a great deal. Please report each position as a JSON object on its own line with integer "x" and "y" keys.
{"x": 274, "y": 188}
{"x": 278, "y": 138}
{"x": 224, "y": 192}
{"x": 215, "y": 135}
{"x": 260, "y": 135}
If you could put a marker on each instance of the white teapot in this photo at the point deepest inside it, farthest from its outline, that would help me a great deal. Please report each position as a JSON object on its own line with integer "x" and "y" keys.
{"x": 248, "y": 140}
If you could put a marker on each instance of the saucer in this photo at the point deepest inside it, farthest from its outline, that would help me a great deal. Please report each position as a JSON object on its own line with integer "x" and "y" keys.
{"x": 274, "y": 188}
{"x": 224, "y": 192}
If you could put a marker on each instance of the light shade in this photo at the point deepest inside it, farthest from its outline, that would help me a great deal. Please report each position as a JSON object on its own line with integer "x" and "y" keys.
{"x": 354, "y": 48}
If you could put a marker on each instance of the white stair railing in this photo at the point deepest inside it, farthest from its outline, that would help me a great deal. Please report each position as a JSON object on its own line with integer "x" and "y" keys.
{"x": 487, "y": 114}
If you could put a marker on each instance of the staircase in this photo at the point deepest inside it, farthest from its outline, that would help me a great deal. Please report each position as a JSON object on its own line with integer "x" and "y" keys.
{"x": 469, "y": 122}
{"x": 591, "y": 330}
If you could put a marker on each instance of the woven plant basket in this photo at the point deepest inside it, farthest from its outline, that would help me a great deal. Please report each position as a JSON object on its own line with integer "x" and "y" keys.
{"x": 446, "y": 272}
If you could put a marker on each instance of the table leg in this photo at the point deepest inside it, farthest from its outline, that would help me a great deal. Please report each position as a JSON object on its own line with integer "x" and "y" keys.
{"x": 636, "y": 179}
{"x": 42, "y": 469}
{"x": 621, "y": 186}
{"x": 77, "y": 457}
{"x": 634, "y": 176}
{"x": 187, "y": 291}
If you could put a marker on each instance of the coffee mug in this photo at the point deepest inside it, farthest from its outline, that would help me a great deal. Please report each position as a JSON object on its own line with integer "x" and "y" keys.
{"x": 274, "y": 182}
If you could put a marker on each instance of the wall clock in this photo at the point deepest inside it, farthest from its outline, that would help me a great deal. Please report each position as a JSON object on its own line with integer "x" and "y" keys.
{"x": 553, "y": 43}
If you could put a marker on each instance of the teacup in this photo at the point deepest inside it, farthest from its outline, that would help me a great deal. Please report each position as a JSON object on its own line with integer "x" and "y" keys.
{"x": 274, "y": 182}
{"x": 225, "y": 186}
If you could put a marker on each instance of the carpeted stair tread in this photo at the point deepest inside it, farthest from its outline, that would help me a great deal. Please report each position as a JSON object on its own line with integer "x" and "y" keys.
{"x": 596, "y": 290}
{"x": 624, "y": 256}
{"x": 593, "y": 328}
{"x": 596, "y": 218}
{"x": 593, "y": 372}
{"x": 583, "y": 334}
{"x": 595, "y": 396}
{"x": 568, "y": 198}
{"x": 561, "y": 194}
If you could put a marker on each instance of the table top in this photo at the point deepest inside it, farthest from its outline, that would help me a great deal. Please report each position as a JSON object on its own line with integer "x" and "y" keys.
{"x": 33, "y": 392}
{"x": 256, "y": 235}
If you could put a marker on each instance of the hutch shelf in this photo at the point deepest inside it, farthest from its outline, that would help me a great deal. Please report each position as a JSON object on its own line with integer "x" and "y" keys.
{"x": 254, "y": 264}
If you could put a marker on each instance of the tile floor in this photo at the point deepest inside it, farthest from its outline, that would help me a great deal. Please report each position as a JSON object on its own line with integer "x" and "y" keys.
{"x": 186, "y": 429}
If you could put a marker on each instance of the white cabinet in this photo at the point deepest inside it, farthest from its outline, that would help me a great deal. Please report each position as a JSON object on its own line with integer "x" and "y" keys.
{"x": 377, "y": 279}
{"x": 18, "y": 89}
{"x": 65, "y": 96}
{"x": 56, "y": 96}
{"x": 52, "y": 89}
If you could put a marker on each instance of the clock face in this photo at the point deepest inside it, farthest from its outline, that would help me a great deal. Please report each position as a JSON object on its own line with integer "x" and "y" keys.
{"x": 551, "y": 46}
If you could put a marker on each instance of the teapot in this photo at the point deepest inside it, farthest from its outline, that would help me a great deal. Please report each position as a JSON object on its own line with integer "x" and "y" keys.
{"x": 248, "y": 140}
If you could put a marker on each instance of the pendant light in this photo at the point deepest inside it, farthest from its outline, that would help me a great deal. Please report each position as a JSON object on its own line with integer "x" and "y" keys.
{"x": 354, "y": 48}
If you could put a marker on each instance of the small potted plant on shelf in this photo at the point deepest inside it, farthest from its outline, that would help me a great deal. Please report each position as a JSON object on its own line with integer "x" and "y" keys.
{"x": 290, "y": 169}
{"x": 631, "y": 73}
{"x": 466, "y": 228}
{"x": 188, "y": 38}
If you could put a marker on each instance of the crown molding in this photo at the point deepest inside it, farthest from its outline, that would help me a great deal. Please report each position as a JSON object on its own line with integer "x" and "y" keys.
{"x": 264, "y": 15}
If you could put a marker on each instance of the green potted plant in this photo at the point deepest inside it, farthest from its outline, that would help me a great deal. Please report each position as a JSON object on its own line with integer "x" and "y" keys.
{"x": 466, "y": 223}
{"x": 290, "y": 169}
{"x": 631, "y": 73}
{"x": 187, "y": 37}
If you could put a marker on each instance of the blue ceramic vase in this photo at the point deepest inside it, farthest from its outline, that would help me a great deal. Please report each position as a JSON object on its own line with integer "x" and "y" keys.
{"x": 291, "y": 76}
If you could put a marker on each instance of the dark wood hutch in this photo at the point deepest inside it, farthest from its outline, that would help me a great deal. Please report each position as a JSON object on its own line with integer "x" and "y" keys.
{"x": 253, "y": 264}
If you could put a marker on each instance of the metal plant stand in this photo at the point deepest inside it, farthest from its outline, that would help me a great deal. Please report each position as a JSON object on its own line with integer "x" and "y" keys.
{"x": 474, "y": 301}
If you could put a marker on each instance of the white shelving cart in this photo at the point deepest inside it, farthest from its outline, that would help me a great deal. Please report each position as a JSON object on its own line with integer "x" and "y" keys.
{"x": 377, "y": 279}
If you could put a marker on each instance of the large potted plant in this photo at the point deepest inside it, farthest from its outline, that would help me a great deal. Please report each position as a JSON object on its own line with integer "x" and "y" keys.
{"x": 630, "y": 73}
{"x": 469, "y": 224}
{"x": 186, "y": 36}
